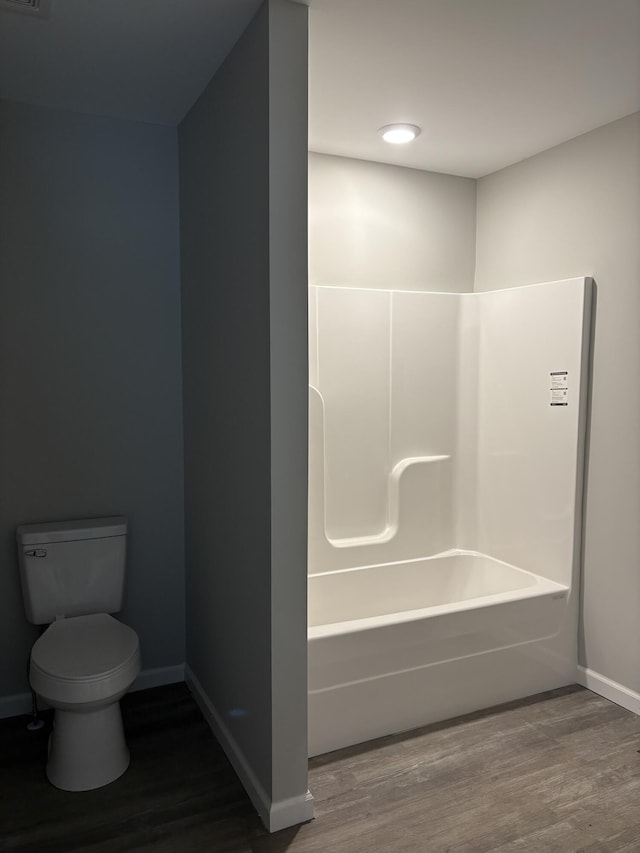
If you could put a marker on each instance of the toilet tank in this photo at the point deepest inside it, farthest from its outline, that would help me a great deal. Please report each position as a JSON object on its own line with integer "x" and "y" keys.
{"x": 72, "y": 568}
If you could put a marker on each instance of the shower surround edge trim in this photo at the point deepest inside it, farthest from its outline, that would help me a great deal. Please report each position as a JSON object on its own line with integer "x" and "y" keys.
{"x": 586, "y": 279}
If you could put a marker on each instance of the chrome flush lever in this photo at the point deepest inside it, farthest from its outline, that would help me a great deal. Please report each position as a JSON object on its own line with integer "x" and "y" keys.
{"x": 39, "y": 552}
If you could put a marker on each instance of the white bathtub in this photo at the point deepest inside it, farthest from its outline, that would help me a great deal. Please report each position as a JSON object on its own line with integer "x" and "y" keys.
{"x": 399, "y": 645}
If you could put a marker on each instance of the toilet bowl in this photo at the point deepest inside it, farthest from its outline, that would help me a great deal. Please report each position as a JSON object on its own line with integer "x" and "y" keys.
{"x": 72, "y": 575}
{"x": 81, "y": 667}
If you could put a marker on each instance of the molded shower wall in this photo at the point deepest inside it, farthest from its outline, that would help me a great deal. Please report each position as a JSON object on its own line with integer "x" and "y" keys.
{"x": 431, "y": 427}
{"x": 381, "y": 479}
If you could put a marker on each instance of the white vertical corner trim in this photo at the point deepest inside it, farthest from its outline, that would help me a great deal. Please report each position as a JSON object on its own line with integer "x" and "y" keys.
{"x": 609, "y": 689}
{"x": 275, "y": 815}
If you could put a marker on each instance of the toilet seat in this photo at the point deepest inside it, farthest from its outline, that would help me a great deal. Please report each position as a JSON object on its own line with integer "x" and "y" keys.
{"x": 84, "y": 659}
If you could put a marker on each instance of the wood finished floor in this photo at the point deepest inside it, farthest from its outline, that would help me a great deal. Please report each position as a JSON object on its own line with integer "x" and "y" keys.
{"x": 560, "y": 772}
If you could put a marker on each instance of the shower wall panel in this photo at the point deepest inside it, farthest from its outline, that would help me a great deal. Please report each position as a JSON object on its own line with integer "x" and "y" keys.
{"x": 531, "y": 406}
{"x": 383, "y": 370}
{"x": 440, "y": 421}
{"x": 353, "y": 373}
{"x": 424, "y": 360}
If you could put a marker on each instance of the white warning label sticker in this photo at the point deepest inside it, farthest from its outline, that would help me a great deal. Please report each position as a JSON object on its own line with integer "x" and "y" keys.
{"x": 559, "y": 388}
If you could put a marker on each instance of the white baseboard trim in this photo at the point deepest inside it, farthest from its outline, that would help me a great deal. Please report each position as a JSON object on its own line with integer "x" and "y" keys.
{"x": 15, "y": 706}
{"x": 250, "y": 782}
{"x": 158, "y": 677}
{"x": 275, "y": 815}
{"x": 20, "y": 703}
{"x": 291, "y": 812}
{"x": 609, "y": 689}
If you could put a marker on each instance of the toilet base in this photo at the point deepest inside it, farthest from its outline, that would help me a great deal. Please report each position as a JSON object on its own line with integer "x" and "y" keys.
{"x": 87, "y": 749}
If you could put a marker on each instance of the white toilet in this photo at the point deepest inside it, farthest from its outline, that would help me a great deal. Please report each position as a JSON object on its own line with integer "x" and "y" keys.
{"x": 72, "y": 576}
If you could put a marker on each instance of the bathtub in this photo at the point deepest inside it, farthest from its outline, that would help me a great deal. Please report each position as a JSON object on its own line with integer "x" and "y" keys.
{"x": 399, "y": 645}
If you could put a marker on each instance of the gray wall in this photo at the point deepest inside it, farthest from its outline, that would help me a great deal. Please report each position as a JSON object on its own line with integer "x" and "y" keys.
{"x": 289, "y": 375}
{"x": 375, "y": 225}
{"x": 243, "y": 232}
{"x": 90, "y": 385}
{"x": 575, "y": 210}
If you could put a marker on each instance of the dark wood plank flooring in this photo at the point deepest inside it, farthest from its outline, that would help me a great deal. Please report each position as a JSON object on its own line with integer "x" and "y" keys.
{"x": 559, "y": 772}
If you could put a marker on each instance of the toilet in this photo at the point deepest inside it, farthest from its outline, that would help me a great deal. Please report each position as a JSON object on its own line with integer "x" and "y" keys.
{"x": 72, "y": 576}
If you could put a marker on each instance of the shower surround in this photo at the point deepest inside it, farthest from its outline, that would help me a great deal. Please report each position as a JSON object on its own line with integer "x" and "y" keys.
{"x": 445, "y": 489}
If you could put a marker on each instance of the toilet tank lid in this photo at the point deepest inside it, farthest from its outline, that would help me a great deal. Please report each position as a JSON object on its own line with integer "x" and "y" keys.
{"x": 68, "y": 531}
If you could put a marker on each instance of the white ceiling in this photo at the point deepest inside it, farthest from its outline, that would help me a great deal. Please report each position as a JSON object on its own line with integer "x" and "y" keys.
{"x": 146, "y": 60}
{"x": 490, "y": 81}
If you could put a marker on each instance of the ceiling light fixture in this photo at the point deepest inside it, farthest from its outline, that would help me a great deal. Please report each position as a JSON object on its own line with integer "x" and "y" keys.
{"x": 398, "y": 134}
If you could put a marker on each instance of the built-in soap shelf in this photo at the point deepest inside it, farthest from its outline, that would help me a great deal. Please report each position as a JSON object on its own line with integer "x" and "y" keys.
{"x": 420, "y": 508}
{"x": 393, "y": 504}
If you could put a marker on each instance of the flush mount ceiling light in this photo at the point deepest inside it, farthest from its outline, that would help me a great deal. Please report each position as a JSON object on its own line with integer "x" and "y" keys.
{"x": 397, "y": 134}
